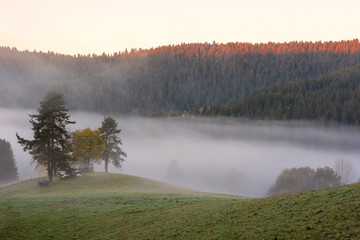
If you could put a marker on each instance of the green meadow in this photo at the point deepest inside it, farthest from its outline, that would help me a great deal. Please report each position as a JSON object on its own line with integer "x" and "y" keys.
{"x": 116, "y": 206}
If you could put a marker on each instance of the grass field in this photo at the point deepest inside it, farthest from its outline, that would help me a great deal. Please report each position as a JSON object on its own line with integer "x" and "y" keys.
{"x": 115, "y": 206}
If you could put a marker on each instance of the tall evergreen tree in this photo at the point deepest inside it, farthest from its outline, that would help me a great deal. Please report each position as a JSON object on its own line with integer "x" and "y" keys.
{"x": 8, "y": 169}
{"x": 51, "y": 144}
{"x": 109, "y": 132}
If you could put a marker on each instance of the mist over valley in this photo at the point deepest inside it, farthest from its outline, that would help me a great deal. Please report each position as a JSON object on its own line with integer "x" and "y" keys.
{"x": 222, "y": 155}
{"x": 241, "y": 112}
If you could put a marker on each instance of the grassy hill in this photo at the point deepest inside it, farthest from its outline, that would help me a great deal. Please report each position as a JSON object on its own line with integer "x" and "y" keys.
{"x": 115, "y": 206}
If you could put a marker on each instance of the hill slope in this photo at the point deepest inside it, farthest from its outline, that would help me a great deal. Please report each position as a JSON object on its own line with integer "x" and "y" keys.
{"x": 331, "y": 97}
{"x": 116, "y": 207}
{"x": 93, "y": 183}
{"x": 169, "y": 78}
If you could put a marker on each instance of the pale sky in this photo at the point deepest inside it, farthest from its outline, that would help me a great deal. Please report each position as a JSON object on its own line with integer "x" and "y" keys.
{"x": 97, "y": 26}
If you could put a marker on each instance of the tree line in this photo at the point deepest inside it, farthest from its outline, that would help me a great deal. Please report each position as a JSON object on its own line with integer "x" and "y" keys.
{"x": 168, "y": 78}
{"x": 58, "y": 150}
{"x": 329, "y": 98}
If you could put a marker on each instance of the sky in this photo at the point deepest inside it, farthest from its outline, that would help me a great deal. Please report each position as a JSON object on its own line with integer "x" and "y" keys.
{"x": 108, "y": 26}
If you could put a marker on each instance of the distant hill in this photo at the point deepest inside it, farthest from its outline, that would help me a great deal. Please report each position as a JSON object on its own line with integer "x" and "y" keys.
{"x": 167, "y": 78}
{"x": 114, "y": 206}
{"x": 329, "y": 98}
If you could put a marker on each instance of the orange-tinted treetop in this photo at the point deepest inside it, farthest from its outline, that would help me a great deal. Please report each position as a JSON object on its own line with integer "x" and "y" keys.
{"x": 237, "y": 48}
{"x": 231, "y": 48}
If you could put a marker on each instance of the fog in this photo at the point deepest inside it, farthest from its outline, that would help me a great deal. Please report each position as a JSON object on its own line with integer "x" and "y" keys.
{"x": 220, "y": 155}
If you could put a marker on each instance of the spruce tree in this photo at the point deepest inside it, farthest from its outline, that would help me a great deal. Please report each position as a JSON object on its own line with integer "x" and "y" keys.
{"x": 51, "y": 145}
{"x": 109, "y": 132}
{"x": 8, "y": 169}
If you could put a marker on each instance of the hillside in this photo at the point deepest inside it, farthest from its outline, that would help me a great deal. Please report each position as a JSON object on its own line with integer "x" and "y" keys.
{"x": 93, "y": 183}
{"x": 329, "y": 98}
{"x": 167, "y": 78}
{"x": 112, "y": 206}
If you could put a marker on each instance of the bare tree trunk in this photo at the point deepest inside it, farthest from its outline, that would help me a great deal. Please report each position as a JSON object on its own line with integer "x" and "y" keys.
{"x": 345, "y": 169}
{"x": 106, "y": 165}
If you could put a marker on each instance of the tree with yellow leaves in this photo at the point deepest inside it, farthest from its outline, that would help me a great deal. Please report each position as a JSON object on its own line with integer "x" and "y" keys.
{"x": 87, "y": 145}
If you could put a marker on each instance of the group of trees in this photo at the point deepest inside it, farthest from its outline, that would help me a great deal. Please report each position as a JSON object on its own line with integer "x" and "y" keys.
{"x": 168, "y": 78}
{"x": 332, "y": 97}
{"x": 56, "y": 149}
{"x": 303, "y": 179}
{"x": 103, "y": 143}
{"x": 8, "y": 169}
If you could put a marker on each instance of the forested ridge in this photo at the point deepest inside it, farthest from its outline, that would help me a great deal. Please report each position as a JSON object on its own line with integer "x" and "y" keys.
{"x": 167, "y": 78}
{"x": 332, "y": 97}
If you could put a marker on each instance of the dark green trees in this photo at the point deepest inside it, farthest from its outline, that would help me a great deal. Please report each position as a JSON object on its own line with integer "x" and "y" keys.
{"x": 8, "y": 169}
{"x": 170, "y": 78}
{"x": 330, "y": 98}
{"x": 293, "y": 180}
{"x": 109, "y": 132}
{"x": 326, "y": 177}
{"x": 303, "y": 179}
{"x": 51, "y": 144}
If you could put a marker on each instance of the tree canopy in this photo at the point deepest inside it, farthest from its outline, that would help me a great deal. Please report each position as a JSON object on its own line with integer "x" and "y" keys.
{"x": 303, "y": 179}
{"x": 329, "y": 98}
{"x": 110, "y": 134}
{"x": 326, "y": 177}
{"x": 88, "y": 146}
{"x": 51, "y": 144}
{"x": 168, "y": 78}
{"x": 8, "y": 169}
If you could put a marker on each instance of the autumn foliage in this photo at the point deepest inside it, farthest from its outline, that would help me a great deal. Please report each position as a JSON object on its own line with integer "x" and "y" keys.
{"x": 87, "y": 145}
{"x": 239, "y": 48}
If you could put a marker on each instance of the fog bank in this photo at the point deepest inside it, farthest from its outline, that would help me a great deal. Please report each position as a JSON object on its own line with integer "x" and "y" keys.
{"x": 216, "y": 155}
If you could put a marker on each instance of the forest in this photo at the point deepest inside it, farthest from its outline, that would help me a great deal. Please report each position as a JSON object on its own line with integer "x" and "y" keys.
{"x": 179, "y": 78}
{"x": 329, "y": 98}
{"x": 8, "y": 169}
